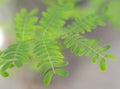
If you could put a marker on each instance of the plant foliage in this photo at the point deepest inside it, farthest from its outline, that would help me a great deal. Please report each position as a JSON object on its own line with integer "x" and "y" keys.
{"x": 39, "y": 41}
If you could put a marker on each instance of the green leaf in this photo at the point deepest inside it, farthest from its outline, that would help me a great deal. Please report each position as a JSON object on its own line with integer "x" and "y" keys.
{"x": 44, "y": 70}
{"x": 5, "y": 74}
{"x": 26, "y": 24}
{"x": 54, "y": 18}
{"x": 110, "y": 56}
{"x": 103, "y": 64}
{"x": 11, "y": 66}
{"x": 15, "y": 55}
{"x": 48, "y": 78}
{"x": 60, "y": 64}
{"x": 49, "y": 57}
{"x": 6, "y": 66}
{"x": 95, "y": 58}
{"x": 33, "y": 12}
{"x": 89, "y": 53}
{"x": 104, "y": 49}
{"x": 86, "y": 24}
{"x": 61, "y": 72}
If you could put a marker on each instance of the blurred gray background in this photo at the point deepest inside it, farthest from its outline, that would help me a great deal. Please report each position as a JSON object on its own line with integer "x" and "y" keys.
{"x": 83, "y": 74}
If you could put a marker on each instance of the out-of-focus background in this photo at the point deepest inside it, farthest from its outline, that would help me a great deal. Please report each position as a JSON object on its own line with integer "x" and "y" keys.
{"x": 83, "y": 74}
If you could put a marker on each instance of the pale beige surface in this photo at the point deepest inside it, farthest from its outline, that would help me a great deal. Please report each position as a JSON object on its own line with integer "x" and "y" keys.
{"x": 83, "y": 74}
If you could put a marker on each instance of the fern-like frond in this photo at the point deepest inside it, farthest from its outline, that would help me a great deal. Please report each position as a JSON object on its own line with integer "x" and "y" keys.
{"x": 89, "y": 47}
{"x": 86, "y": 24}
{"x": 54, "y": 18}
{"x": 14, "y": 55}
{"x": 26, "y": 24}
{"x": 49, "y": 58}
{"x": 46, "y": 48}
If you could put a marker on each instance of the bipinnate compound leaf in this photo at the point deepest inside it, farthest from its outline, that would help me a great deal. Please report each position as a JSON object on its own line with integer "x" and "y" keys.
{"x": 39, "y": 41}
